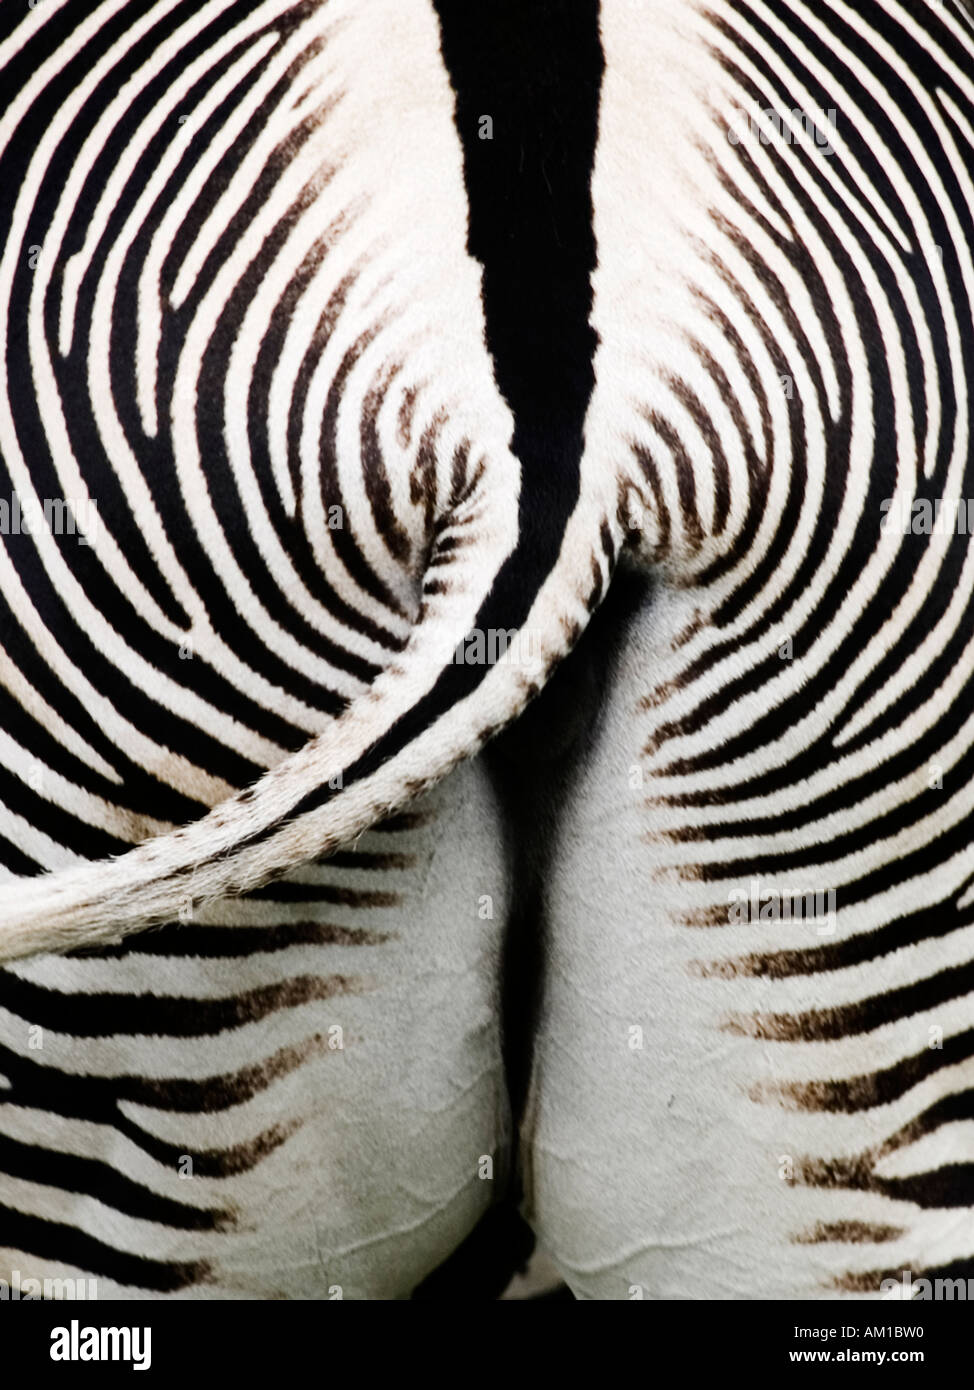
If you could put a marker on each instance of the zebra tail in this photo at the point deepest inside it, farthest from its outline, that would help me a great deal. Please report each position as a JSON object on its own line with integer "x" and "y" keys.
{"x": 423, "y": 715}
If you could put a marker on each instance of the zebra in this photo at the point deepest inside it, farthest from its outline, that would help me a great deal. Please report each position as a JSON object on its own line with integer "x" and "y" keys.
{"x": 363, "y": 343}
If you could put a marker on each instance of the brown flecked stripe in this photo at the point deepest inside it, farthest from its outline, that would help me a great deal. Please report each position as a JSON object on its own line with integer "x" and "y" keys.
{"x": 848, "y": 1232}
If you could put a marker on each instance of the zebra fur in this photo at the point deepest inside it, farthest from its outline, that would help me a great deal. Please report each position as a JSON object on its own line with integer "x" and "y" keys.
{"x": 779, "y": 340}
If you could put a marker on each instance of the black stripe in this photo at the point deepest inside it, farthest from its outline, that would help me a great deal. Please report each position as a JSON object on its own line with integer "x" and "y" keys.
{"x": 153, "y": 1015}
{"x": 53, "y": 1240}
{"x": 92, "y": 1177}
{"x": 535, "y": 68}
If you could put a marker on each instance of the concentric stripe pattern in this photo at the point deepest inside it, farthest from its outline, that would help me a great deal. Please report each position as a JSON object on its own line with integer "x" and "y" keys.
{"x": 260, "y": 300}
{"x": 780, "y": 828}
{"x": 243, "y": 376}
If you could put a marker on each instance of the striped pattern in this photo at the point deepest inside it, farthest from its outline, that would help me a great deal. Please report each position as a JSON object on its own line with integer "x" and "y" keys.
{"x": 786, "y": 342}
{"x": 239, "y": 317}
{"x": 260, "y": 381}
{"x": 382, "y": 415}
{"x": 322, "y": 358}
{"x": 289, "y": 1099}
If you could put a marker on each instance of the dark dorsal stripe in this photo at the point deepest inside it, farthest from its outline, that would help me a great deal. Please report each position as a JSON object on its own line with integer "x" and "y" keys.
{"x": 534, "y": 68}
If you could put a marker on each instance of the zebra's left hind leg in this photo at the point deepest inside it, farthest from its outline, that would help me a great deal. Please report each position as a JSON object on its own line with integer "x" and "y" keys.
{"x": 735, "y": 1096}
